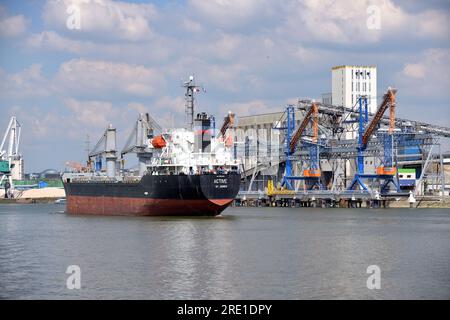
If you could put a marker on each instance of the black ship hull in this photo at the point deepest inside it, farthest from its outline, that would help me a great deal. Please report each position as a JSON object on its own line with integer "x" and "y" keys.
{"x": 154, "y": 195}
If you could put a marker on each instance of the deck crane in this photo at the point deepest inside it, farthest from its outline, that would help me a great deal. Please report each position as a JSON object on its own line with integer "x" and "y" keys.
{"x": 106, "y": 147}
{"x": 386, "y": 171}
{"x": 10, "y": 155}
{"x": 139, "y": 141}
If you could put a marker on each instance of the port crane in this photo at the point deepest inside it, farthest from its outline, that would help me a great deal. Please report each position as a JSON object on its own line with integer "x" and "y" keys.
{"x": 386, "y": 172}
{"x": 312, "y": 174}
{"x": 9, "y": 155}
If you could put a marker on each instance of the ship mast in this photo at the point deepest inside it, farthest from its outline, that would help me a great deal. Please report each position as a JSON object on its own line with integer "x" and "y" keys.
{"x": 191, "y": 88}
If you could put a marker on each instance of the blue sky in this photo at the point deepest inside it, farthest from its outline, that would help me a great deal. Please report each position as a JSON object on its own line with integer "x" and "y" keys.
{"x": 252, "y": 56}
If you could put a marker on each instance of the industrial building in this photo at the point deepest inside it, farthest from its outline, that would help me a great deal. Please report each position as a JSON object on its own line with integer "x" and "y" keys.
{"x": 349, "y": 145}
{"x": 350, "y": 82}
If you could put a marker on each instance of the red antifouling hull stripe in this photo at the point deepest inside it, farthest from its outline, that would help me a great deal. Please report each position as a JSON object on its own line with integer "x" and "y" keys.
{"x": 145, "y": 207}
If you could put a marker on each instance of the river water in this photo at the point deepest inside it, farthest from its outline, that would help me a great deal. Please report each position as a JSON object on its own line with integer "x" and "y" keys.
{"x": 247, "y": 253}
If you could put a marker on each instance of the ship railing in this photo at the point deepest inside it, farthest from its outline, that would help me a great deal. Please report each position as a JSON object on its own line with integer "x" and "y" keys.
{"x": 94, "y": 179}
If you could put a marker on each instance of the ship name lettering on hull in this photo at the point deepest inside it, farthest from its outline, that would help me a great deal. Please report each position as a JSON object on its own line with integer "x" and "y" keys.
{"x": 221, "y": 181}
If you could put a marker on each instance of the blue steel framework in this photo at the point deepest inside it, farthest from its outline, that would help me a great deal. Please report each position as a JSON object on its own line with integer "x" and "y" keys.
{"x": 288, "y": 129}
{"x": 387, "y": 155}
{"x": 314, "y": 153}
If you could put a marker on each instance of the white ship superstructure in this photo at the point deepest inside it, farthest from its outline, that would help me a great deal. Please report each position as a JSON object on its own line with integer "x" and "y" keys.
{"x": 193, "y": 151}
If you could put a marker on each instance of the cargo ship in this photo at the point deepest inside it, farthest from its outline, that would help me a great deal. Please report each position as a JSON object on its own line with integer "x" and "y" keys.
{"x": 189, "y": 171}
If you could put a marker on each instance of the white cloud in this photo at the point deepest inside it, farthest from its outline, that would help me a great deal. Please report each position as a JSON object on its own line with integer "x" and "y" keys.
{"x": 171, "y": 104}
{"x": 106, "y": 78}
{"x": 432, "y": 23}
{"x": 71, "y": 120}
{"x": 92, "y": 113}
{"x": 231, "y": 14}
{"x": 24, "y": 84}
{"x": 248, "y": 108}
{"x": 414, "y": 70}
{"x": 191, "y": 25}
{"x": 38, "y": 124}
{"x": 428, "y": 76}
{"x": 92, "y": 79}
{"x": 157, "y": 50}
{"x": 102, "y": 18}
{"x": 139, "y": 107}
{"x": 343, "y": 21}
{"x": 11, "y": 26}
{"x": 53, "y": 41}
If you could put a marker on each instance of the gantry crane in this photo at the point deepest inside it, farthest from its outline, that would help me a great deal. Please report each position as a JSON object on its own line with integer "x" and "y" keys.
{"x": 313, "y": 173}
{"x": 386, "y": 171}
{"x": 9, "y": 156}
{"x": 289, "y": 129}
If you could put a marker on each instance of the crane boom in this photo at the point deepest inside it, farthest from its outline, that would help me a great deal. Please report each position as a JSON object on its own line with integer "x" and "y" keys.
{"x": 228, "y": 122}
{"x": 314, "y": 110}
{"x": 388, "y": 101}
{"x": 144, "y": 129}
{"x": 315, "y": 116}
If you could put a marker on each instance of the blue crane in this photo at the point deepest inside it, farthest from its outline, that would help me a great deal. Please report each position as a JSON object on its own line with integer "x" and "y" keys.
{"x": 313, "y": 174}
{"x": 386, "y": 172}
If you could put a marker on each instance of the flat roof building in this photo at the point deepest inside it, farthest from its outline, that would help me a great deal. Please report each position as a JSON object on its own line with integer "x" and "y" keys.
{"x": 351, "y": 82}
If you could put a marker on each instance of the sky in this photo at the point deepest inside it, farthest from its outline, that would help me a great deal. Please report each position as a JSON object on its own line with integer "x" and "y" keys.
{"x": 68, "y": 68}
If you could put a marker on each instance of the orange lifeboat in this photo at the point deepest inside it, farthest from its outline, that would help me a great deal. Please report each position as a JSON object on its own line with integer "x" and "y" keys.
{"x": 158, "y": 142}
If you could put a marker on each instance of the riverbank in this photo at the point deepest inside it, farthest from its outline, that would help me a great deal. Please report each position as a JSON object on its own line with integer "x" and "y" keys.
{"x": 43, "y": 195}
{"x": 422, "y": 203}
{"x": 28, "y": 201}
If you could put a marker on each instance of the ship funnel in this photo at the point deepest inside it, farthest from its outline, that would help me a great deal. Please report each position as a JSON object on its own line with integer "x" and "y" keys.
{"x": 202, "y": 139}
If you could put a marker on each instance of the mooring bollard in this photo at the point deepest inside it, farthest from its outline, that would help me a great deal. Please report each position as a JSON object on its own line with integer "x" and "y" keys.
{"x": 411, "y": 199}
